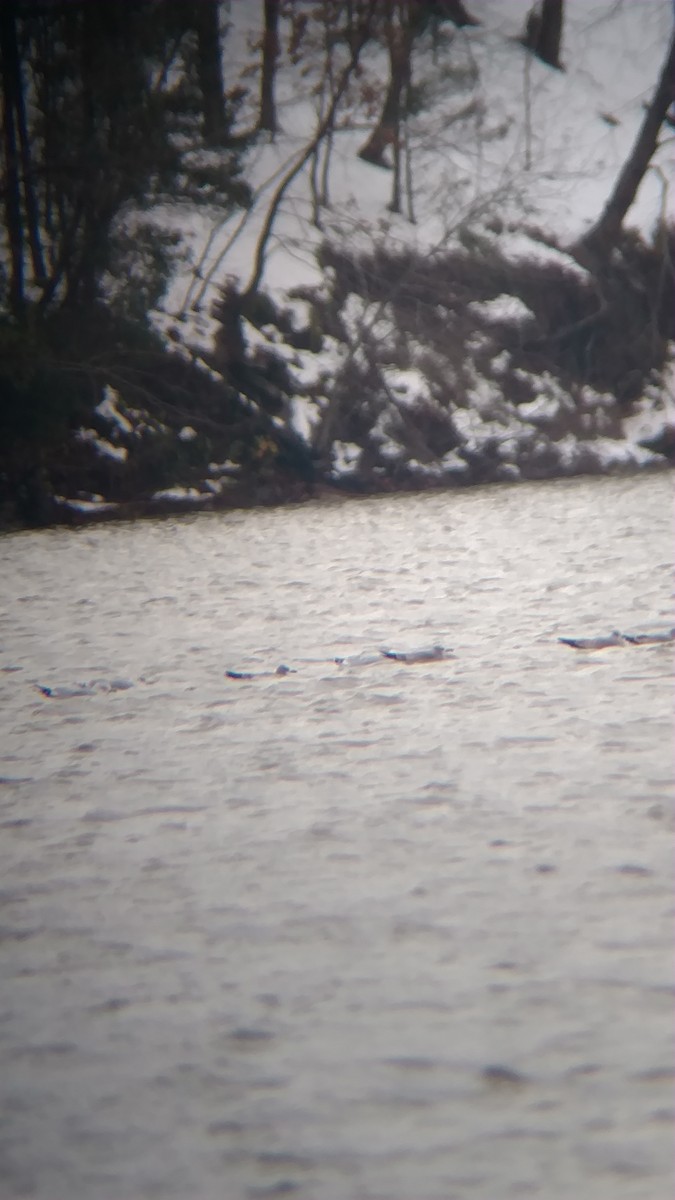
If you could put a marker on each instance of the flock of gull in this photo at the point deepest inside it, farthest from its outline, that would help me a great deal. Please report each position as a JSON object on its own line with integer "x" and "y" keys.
{"x": 365, "y": 659}
{"x": 422, "y": 654}
{"x": 436, "y": 653}
{"x": 619, "y": 639}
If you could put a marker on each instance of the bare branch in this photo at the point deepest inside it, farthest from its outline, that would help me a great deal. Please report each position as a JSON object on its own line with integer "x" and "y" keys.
{"x": 323, "y": 127}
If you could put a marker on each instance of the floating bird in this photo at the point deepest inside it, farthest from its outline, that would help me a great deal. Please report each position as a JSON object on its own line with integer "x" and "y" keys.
{"x": 650, "y": 639}
{"x": 66, "y": 693}
{"x": 423, "y": 654}
{"x": 365, "y": 659}
{"x": 598, "y": 643}
{"x": 109, "y": 685}
{"x": 281, "y": 670}
{"x": 92, "y": 688}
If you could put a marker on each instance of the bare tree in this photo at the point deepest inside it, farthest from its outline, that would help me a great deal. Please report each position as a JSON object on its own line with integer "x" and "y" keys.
{"x": 330, "y": 14}
{"x": 603, "y": 235}
{"x": 402, "y": 21}
{"x": 11, "y": 88}
{"x": 543, "y": 31}
{"x": 270, "y": 52}
{"x": 206, "y": 18}
{"x": 399, "y": 32}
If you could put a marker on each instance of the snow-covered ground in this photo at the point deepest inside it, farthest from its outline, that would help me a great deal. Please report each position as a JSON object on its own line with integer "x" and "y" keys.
{"x": 534, "y": 145}
{"x": 502, "y": 147}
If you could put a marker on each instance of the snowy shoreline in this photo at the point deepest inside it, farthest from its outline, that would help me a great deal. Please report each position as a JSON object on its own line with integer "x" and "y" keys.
{"x": 76, "y": 512}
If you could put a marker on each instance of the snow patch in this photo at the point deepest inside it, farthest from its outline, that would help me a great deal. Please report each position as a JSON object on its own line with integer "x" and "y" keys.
{"x": 345, "y": 457}
{"x": 503, "y": 309}
{"x": 408, "y": 386}
{"x": 542, "y": 409}
{"x": 110, "y": 412}
{"x": 520, "y": 247}
{"x": 501, "y": 362}
{"x": 101, "y": 445}
{"x": 592, "y": 399}
{"x": 304, "y": 416}
{"x": 454, "y": 464}
{"x": 224, "y": 468}
{"x": 86, "y": 506}
{"x": 180, "y": 493}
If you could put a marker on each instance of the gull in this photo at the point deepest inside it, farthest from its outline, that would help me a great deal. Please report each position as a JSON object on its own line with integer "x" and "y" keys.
{"x": 66, "y": 693}
{"x": 424, "y": 654}
{"x": 109, "y": 685}
{"x": 281, "y": 670}
{"x": 598, "y": 643}
{"x": 365, "y": 659}
{"x": 85, "y": 689}
{"x": 650, "y": 639}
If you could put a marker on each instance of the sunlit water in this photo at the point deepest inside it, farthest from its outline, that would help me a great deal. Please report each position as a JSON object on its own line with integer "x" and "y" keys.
{"x": 382, "y": 933}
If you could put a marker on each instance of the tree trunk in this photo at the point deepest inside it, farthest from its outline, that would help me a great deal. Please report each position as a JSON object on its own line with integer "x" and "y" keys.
{"x": 543, "y": 32}
{"x": 270, "y": 52}
{"x": 80, "y": 267}
{"x": 11, "y": 85}
{"x": 387, "y": 131}
{"x": 18, "y": 136}
{"x": 603, "y": 235}
{"x": 395, "y": 202}
{"x": 205, "y": 15}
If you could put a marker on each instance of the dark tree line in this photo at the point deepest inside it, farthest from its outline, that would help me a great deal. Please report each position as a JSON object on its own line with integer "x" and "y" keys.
{"x": 104, "y": 107}
{"x": 107, "y": 110}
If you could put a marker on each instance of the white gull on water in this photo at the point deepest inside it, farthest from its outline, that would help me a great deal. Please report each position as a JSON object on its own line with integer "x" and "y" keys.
{"x": 422, "y": 654}
{"x": 596, "y": 643}
{"x": 650, "y": 639}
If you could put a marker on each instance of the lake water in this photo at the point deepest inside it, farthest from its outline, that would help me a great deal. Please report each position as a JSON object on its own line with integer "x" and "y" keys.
{"x": 381, "y": 932}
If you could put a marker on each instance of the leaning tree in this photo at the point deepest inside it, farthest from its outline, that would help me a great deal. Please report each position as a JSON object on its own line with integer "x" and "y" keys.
{"x": 602, "y": 236}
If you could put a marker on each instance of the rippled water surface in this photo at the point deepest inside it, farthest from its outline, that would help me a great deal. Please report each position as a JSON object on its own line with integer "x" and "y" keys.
{"x": 375, "y": 933}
